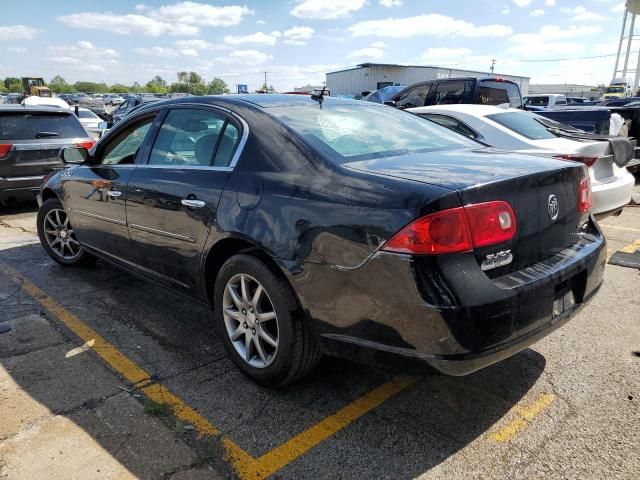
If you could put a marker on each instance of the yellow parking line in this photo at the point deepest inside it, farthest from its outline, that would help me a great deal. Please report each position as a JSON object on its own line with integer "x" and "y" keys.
{"x": 524, "y": 416}
{"x": 620, "y": 228}
{"x": 632, "y": 247}
{"x": 246, "y": 466}
{"x": 281, "y": 456}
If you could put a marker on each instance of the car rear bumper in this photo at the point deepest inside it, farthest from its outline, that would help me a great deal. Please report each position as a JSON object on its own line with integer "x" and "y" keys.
{"x": 447, "y": 312}
{"x": 610, "y": 197}
{"x": 19, "y": 186}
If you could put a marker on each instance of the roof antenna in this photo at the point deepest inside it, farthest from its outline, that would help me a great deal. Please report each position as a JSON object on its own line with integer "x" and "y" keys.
{"x": 319, "y": 97}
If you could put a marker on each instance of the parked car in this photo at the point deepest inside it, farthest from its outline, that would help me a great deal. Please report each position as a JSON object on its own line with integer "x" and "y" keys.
{"x": 448, "y": 91}
{"x": 525, "y": 132}
{"x": 315, "y": 229}
{"x": 126, "y": 107}
{"x": 591, "y": 119}
{"x": 30, "y": 139}
{"x": 91, "y": 122}
{"x": 384, "y": 94}
{"x": 619, "y": 102}
{"x": 544, "y": 102}
{"x": 113, "y": 99}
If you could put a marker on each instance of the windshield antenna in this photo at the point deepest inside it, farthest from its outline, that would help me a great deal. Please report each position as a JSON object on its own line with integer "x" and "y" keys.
{"x": 319, "y": 97}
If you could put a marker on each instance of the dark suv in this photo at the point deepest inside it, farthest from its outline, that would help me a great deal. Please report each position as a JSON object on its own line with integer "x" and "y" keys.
{"x": 30, "y": 139}
{"x": 126, "y": 107}
{"x": 448, "y": 91}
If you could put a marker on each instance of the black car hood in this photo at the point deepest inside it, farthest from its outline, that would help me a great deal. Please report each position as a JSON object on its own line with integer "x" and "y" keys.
{"x": 457, "y": 169}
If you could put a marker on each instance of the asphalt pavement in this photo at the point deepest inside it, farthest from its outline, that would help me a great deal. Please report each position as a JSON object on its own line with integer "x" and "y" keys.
{"x": 106, "y": 376}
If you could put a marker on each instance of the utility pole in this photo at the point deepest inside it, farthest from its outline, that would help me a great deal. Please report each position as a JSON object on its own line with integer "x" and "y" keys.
{"x": 493, "y": 62}
{"x": 265, "y": 81}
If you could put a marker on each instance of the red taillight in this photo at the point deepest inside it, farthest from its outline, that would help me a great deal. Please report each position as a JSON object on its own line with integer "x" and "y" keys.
{"x": 584, "y": 195}
{"x": 456, "y": 230}
{"x": 588, "y": 161}
{"x": 4, "y": 149}
{"x": 86, "y": 144}
{"x": 491, "y": 223}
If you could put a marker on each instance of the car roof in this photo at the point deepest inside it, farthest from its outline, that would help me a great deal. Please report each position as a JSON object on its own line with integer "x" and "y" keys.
{"x": 468, "y": 108}
{"x": 32, "y": 108}
{"x": 544, "y": 95}
{"x": 261, "y": 101}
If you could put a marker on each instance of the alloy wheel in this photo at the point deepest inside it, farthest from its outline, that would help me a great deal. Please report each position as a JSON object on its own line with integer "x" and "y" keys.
{"x": 59, "y": 234}
{"x": 250, "y": 320}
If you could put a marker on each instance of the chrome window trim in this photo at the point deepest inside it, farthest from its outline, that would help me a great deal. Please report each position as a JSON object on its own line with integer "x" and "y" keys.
{"x": 164, "y": 233}
{"x": 100, "y": 217}
{"x": 22, "y": 179}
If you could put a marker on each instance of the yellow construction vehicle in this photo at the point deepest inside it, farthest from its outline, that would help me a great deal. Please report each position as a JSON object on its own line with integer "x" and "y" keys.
{"x": 35, "y": 86}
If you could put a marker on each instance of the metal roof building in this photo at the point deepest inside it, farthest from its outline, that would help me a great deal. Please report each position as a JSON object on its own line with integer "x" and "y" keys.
{"x": 368, "y": 77}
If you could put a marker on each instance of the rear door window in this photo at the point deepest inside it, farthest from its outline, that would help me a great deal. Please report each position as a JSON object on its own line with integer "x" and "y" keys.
{"x": 29, "y": 126}
{"x": 452, "y": 92}
{"x": 452, "y": 123}
{"x": 491, "y": 92}
{"x": 414, "y": 97}
{"x": 192, "y": 136}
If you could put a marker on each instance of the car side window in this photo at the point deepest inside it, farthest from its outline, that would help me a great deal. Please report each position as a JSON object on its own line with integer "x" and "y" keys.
{"x": 414, "y": 97}
{"x": 192, "y": 137}
{"x": 124, "y": 148}
{"x": 452, "y": 123}
{"x": 450, "y": 92}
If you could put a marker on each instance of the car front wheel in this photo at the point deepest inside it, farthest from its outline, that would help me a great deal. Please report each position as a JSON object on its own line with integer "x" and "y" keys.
{"x": 57, "y": 236}
{"x": 262, "y": 326}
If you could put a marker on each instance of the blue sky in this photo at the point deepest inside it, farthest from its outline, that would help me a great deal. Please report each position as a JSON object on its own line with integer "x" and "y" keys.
{"x": 297, "y": 41}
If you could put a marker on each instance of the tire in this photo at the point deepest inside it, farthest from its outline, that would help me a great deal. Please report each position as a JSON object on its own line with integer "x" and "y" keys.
{"x": 297, "y": 351}
{"x": 75, "y": 254}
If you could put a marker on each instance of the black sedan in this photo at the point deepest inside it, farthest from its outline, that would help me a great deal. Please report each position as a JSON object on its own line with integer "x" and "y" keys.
{"x": 321, "y": 227}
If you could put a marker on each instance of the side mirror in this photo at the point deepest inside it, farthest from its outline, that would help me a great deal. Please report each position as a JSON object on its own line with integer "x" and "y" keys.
{"x": 390, "y": 103}
{"x": 103, "y": 125}
{"x": 73, "y": 155}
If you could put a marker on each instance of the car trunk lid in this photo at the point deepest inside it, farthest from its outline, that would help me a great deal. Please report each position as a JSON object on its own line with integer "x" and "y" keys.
{"x": 527, "y": 183}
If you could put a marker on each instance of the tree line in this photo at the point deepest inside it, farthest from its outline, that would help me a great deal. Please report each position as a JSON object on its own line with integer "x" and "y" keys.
{"x": 188, "y": 82}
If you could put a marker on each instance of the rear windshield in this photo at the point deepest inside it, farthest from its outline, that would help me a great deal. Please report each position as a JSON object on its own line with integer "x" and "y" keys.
{"x": 614, "y": 90}
{"x": 537, "y": 101}
{"x": 494, "y": 92}
{"x": 523, "y": 123}
{"x": 29, "y": 126}
{"x": 87, "y": 114}
{"x": 363, "y": 130}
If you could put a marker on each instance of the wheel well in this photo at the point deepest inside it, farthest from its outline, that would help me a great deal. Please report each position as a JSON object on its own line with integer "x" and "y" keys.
{"x": 225, "y": 249}
{"x": 47, "y": 193}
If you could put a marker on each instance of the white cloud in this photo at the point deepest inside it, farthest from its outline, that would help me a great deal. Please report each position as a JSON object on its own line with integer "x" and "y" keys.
{"x": 379, "y": 45}
{"x": 16, "y": 49}
{"x": 368, "y": 53}
{"x": 126, "y": 24}
{"x": 249, "y": 56}
{"x": 166, "y": 52}
{"x": 17, "y": 32}
{"x": 619, "y": 8}
{"x": 505, "y": 10}
{"x": 326, "y": 9}
{"x": 537, "y": 12}
{"x": 298, "y": 35}
{"x": 194, "y": 13}
{"x": 260, "y": 22}
{"x": 390, "y": 3}
{"x": 551, "y": 40}
{"x": 82, "y": 50}
{"x": 258, "y": 38}
{"x": 522, "y": 3}
{"x": 581, "y": 14}
{"x": 184, "y": 18}
{"x": 197, "y": 44}
{"x": 550, "y": 3}
{"x": 450, "y": 55}
{"x": 439, "y": 25}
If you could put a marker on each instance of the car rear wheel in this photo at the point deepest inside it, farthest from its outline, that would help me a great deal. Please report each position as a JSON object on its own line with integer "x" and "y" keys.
{"x": 57, "y": 236}
{"x": 262, "y": 326}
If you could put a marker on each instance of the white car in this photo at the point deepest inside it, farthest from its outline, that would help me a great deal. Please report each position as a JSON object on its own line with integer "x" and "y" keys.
{"x": 526, "y": 132}
{"x": 91, "y": 122}
{"x": 545, "y": 101}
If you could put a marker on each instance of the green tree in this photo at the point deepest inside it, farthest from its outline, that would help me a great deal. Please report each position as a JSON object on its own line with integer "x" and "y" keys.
{"x": 135, "y": 88}
{"x": 217, "y": 86}
{"x": 198, "y": 89}
{"x": 60, "y": 85}
{"x": 156, "y": 85}
{"x": 118, "y": 88}
{"x": 13, "y": 84}
{"x": 91, "y": 87}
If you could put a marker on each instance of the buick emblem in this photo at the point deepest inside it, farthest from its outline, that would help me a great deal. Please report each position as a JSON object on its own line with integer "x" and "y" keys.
{"x": 553, "y": 207}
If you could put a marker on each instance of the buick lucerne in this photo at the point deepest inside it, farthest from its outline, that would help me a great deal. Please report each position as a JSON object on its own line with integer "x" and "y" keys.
{"x": 315, "y": 225}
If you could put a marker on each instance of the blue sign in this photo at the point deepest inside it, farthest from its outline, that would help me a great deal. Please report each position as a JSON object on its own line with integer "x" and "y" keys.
{"x": 243, "y": 88}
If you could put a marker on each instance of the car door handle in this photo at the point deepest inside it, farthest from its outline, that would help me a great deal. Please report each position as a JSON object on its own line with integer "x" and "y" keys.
{"x": 188, "y": 202}
{"x": 114, "y": 193}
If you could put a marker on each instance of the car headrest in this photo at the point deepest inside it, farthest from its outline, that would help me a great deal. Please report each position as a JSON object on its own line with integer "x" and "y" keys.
{"x": 204, "y": 148}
